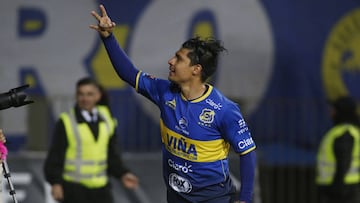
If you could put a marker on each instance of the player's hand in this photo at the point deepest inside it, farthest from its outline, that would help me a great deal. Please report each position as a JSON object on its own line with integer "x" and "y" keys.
{"x": 130, "y": 181}
{"x": 105, "y": 25}
{"x": 57, "y": 192}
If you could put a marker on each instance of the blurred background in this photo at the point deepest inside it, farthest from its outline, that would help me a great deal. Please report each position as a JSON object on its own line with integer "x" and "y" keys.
{"x": 286, "y": 60}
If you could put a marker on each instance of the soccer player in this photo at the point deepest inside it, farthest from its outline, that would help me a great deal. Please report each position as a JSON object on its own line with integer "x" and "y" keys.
{"x": 198, "y": 123}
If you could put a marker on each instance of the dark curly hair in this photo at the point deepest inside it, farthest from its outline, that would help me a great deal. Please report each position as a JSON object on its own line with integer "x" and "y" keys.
{"x": 204, "y": 52}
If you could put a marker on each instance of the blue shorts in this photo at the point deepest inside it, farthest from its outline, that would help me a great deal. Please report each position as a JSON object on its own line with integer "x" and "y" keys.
{"x": 223, "y": 192}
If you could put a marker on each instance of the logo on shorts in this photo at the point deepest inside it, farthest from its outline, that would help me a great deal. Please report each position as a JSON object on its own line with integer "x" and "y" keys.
{"x": 179, "y": 184}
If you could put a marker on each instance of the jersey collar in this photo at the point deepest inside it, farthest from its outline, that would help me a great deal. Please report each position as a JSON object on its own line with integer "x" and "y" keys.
{"x": 207, "y": 93}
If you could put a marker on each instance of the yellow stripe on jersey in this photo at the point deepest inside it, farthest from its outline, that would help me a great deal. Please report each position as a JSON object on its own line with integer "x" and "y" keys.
{"x": 193, "y": 150}
{"x": 248, "y": 150}
{"x": 137, "y": 81}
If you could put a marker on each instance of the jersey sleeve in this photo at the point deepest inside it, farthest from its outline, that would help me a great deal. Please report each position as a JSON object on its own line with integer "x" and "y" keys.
{"x": 151, "y": 87}
{"x": 123, "y": 66}
{"x": 236, "y": 131}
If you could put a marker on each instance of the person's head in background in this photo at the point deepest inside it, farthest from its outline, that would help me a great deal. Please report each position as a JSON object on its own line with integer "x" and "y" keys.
{"x": 88, "y": 93}
{"x": 344, "y": 110}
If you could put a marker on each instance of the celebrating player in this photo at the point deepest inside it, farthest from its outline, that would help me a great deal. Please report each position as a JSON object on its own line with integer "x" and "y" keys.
{"x": 198, "y": 123}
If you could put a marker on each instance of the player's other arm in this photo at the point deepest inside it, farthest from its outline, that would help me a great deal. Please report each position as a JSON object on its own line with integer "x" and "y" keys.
{"x": 120, "y": 61}
{"x": 247, "y": 176}
{"x": 236, "y": 131}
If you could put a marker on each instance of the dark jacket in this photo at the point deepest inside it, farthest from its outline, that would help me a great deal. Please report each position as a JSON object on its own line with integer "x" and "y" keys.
{"x": 344, "y": 112}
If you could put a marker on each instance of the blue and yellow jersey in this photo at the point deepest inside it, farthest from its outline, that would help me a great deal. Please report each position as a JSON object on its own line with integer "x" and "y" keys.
{"x": 196, "y": 135}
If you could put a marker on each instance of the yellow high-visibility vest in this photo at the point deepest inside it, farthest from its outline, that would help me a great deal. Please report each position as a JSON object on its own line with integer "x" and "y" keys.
{"x": 326, "y": 162}
{"x": 86, "y": 158}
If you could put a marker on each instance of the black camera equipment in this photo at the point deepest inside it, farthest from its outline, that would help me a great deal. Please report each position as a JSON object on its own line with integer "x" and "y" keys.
{"x": 13, "y": 98}
{"x": 7, "y": 175}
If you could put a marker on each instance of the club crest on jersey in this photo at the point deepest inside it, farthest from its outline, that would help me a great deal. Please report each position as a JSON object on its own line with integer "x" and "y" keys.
{"x": 171, "y": 104}
{"x": 207, "y": 116}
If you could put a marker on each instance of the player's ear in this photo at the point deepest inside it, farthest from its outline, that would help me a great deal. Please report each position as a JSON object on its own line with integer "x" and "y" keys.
{"x": 197, "y": 69}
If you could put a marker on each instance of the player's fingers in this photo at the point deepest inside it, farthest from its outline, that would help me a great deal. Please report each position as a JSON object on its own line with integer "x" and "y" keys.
{"x": 93, "y": 13}
{"x": 95, "y": 27}
{"x": 103, "y": 11}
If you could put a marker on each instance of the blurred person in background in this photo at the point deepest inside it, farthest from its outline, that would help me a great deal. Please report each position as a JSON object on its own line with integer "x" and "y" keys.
{"x": 3, "y": 149}
{"x": 3, "y": 154}
{"x": 84, "y": 151}
{"x": 198, "y": 124}
{"x": 338, "y": 158}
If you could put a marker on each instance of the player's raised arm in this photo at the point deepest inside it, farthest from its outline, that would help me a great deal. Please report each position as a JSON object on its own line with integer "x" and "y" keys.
{"x": 105, "y": 25}
{"x": 120, "y": 61}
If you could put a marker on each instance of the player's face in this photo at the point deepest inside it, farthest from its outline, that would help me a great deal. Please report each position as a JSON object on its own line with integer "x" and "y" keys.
{"x": 180, "y": 70}
{"x": 87, "y": 96}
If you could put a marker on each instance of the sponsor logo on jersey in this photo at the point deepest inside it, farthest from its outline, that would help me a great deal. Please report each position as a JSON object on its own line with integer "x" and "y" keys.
{"x": 245, "y": 143}
{"x": 183, "y": 123}
{"x": 241, "y": 131}
{"x": 179, "y": 184}
{"x": 207, "y": 116}
{"x": 183, "y": 168}
{"x": 243, "y": 127}
{"x": 182, "y": 130}
{"x": 242, "y": 123}
{"x": 181, "y": 148}
{"x": 213, "y": 104}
